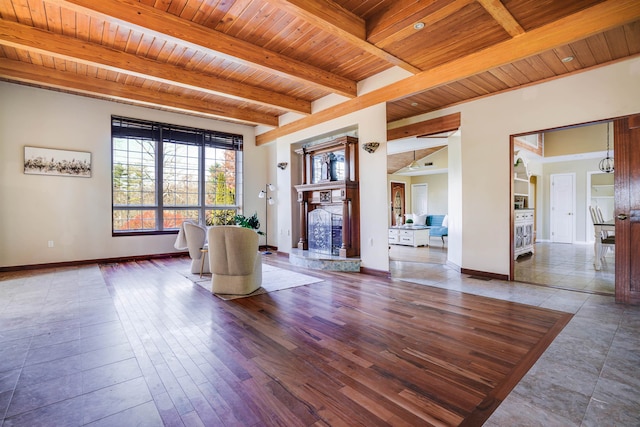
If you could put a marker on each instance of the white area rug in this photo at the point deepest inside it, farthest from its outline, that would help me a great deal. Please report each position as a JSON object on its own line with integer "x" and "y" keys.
{"x": 273, "y": 279}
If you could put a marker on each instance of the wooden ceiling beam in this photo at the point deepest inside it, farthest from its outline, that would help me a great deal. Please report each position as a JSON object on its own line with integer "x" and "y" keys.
{"x": 333, "y": 19}
{"x": 396, "y": 23}
{"x": 580, "y": 25}
{"x": 35, "y": 39}
{"x": 500, "y": 13}
{"x": 168, "y": 26}
{"x": 64, "y": 80}
{"x": 323, "y": 12}
{"x": 428, "y": 127}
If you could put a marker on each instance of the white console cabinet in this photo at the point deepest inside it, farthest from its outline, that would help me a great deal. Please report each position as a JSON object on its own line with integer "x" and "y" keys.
{"x": 523, "y": 233}
{"x": 409, "y": 236}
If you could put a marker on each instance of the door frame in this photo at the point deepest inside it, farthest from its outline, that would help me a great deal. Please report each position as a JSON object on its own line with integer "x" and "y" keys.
{"x": 626, "y": 138}
{"x": 623, "y": 143}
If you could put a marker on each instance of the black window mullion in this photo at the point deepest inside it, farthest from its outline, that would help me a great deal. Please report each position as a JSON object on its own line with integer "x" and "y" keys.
{"x": 160, "y": 179}
{"x": 202, "y": 187}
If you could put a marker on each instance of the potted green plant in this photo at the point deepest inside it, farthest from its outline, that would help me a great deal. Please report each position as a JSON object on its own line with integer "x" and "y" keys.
{"x": 249, "y": 222}
{"x": 409, "y": 221}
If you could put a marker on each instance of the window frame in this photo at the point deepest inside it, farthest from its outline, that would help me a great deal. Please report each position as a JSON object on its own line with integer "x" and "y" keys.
{"x": 161, "y": 134}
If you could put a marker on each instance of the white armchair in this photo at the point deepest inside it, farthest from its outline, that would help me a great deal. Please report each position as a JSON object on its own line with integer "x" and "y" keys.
{"x": 196, "y": 237}
{"x": 236, "y": 264}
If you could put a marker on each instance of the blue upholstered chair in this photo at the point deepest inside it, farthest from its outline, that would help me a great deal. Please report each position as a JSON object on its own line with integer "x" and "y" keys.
{"x": 438, "y": 226}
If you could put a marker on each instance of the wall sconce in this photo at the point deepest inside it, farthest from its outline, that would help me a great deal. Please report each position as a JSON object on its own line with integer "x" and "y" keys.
{"x": 282, "y": 165}
{"x": 370, "y": 147}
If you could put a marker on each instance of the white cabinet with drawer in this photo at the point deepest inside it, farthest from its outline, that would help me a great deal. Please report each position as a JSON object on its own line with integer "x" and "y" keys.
{"x": 409, "y": 237}
{"x": 523, "y": 233}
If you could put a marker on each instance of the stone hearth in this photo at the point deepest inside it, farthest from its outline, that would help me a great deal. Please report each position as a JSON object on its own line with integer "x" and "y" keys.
{"x": 319, "y": 261}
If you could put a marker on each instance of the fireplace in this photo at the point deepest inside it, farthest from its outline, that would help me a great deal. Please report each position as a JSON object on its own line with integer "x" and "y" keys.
{"x": 329, "y": 198}
{"x": 325, "y": 230}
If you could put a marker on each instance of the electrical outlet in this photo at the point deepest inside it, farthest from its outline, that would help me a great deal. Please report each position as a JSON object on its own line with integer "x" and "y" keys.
{"x": 50, "y": 243}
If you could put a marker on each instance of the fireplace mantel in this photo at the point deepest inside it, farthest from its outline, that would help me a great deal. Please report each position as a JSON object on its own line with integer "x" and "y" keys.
{"x": 330, "y": 182}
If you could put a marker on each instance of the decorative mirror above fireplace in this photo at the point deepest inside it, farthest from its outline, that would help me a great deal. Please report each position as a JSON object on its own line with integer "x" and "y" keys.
{"x": 327, "y": 166}
{"x": 329, "y": 198}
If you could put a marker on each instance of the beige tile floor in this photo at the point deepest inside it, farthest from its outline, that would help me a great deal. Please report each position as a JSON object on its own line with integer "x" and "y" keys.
{"x": 567, "y": 266}
{"x": 590, "y": 374}
{"x": 553, "y": 264}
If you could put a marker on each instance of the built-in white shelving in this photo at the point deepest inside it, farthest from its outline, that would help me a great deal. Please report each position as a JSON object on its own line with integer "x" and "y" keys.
{"x": 523, "y": 205}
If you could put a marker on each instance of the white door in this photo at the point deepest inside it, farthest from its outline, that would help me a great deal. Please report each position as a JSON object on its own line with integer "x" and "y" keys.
{"x": 419, "y": 198}
{"x": 563, "y": 202}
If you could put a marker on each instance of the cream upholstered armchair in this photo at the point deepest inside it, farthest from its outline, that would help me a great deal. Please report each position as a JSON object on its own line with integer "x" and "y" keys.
{"x": 236, "y": 264}
{"x": 196, "y": 238}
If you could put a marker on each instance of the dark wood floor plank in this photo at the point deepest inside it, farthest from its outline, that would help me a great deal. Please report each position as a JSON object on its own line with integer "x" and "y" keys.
{"x": 349, "y": 350}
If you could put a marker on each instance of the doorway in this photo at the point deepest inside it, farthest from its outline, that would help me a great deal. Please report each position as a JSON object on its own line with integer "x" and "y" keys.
{"x": 426, "y": 194}
{"x": 564, "y": 250}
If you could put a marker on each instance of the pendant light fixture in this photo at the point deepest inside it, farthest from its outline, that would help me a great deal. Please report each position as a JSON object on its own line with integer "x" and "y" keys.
{"x": 414, "y": 165}
{"x": 606, "y": 164}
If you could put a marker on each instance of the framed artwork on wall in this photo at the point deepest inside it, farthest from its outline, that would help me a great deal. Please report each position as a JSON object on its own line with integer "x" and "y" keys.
{"x": 50, "y": 161}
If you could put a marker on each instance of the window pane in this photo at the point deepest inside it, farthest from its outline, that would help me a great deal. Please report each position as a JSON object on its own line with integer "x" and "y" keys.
{"x": 220, "y": 177}
{"x": 130, "y": 175}
{"x": 134, "y": 220}
{"x": 173, "y": 218}
{"x": 181, "y": 175}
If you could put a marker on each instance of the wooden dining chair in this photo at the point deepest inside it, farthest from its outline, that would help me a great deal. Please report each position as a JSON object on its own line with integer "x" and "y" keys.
{"x": 600, "y": 217}
{"x": 607, "y": 241}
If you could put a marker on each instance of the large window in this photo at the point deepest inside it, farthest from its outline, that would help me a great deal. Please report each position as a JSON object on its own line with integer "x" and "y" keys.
{"x": 164, "y": 174}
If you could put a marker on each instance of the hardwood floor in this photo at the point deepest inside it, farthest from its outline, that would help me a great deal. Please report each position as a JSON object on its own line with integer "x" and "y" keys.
{"x": 350, "y": 350}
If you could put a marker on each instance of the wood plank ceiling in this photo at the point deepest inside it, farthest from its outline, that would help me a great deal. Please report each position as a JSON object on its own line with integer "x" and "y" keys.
{"x": 250, "y": 61}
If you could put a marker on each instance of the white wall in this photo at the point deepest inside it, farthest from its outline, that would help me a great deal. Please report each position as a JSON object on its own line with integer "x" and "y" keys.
{"x": 437, "y": 191}
{"x": 264, "y": 171}
{"x": 75, "y": 213}
{"x": 486, "y": 125}
{"x": 482, "y": 164}
{"x": 455, "y": 176}
{"x": 371, "y": 123}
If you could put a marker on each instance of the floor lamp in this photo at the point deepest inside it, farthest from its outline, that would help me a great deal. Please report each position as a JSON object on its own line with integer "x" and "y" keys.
{"x": 267, "y": 201}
